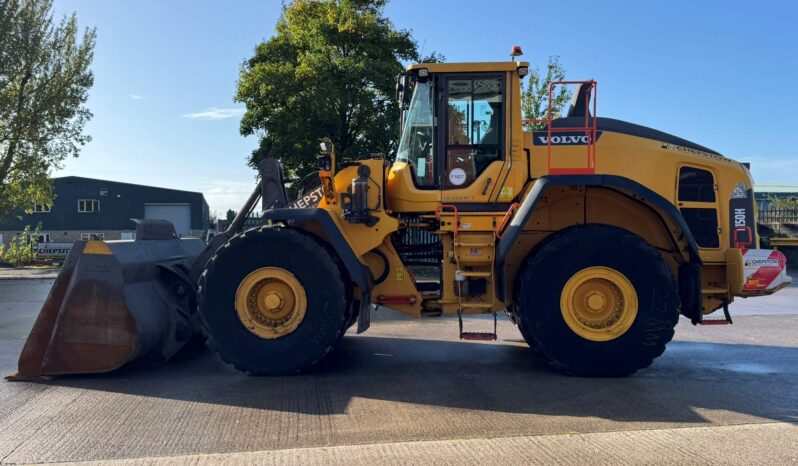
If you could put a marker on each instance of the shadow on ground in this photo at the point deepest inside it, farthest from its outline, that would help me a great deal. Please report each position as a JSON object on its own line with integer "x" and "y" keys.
{"x": 504, "y": 377}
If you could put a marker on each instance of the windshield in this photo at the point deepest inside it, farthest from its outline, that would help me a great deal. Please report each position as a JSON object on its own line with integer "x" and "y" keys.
{"x": 416, "y": 144}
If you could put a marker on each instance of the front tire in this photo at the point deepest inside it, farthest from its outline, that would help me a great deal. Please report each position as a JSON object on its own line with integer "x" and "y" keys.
{"x": 274, "y": 300}
{"x": 597, "y": 300}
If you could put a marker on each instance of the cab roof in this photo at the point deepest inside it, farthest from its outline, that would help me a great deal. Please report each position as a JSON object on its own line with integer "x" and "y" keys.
{"x": 469, "y": 67}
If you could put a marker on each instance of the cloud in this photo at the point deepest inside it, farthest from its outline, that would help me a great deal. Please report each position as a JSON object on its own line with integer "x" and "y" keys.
{"x": 215, "y": 113}
{"x": 137, "y": 97}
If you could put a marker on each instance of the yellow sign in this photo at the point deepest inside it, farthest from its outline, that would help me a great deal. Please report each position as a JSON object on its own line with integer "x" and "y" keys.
{"x": 506, "y": 194}
{"x": 400, "y": 274}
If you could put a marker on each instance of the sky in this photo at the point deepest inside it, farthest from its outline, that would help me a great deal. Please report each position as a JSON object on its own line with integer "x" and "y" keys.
{"x": 720, "y": 73}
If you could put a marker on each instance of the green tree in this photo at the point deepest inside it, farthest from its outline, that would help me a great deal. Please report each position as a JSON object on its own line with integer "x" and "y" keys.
{"x": 535, "y": 97}
{"x": 44, "y": 82}
{"x": 21, "y": 250}
{"x": 327, "y": 72}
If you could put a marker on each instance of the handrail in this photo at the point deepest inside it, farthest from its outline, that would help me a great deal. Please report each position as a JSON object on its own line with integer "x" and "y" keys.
{"x": 506, "y": 219}
{"x": 441, "y": 208}
{"x": 589, "y": 129}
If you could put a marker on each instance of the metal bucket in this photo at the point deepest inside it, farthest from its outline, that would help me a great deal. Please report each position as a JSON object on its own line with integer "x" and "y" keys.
{"x": 114, "y": 302}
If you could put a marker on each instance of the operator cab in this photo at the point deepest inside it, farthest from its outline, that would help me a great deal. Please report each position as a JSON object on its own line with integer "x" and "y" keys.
{"x": 457, "y": 119}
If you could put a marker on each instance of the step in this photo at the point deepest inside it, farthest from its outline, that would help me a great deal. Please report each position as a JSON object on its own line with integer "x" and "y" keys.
{"x": 715, "y": 322}
{"x": 714, "y": 290}
{"x": 478, "y": 336}
{"x": 472, "y": 245}
{"x": 477, "y": 305}
{"x": 727, "y": 320}
{"x": 471, "y": 273}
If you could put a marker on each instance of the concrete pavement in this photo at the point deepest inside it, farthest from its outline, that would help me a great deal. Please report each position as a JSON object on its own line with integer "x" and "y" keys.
{"x": 410, "y": 392}
{"x": 37, "y": 273}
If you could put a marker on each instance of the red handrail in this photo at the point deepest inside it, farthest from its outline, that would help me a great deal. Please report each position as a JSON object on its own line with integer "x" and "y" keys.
{"x": 589, "y": 129}
{"x": 441, "y": 208}
{"x": 507, "y": 217}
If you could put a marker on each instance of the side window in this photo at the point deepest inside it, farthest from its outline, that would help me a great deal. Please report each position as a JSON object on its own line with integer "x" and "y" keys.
{"x": 416, "y": 146}
{"x": 473, "y": 128}
{"x": 88, "y": 205}
{"x": 697, "y": 187}
{"x": 703, "y": 224}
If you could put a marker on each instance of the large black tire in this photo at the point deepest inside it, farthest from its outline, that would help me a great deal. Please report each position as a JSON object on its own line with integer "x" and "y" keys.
{"x": 316, "y": 268}
{"x": 547, "y": 270}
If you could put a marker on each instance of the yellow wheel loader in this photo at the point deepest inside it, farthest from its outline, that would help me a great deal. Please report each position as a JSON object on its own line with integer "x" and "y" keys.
{"x": 593, "y": 234}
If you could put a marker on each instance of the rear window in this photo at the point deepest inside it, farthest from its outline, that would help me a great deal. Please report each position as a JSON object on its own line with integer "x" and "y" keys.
{"x": 703, "y": 224}
{"x": 696, "y": 185}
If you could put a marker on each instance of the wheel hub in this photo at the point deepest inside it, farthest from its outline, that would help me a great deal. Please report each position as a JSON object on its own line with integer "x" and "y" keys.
{"x": 599, "y": 303}
{"x": 271, "y": 302}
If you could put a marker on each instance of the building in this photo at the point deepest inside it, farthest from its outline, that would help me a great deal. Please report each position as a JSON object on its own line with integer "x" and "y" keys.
{"x": 766, "y": 193}
{"x": 87, "y": 208}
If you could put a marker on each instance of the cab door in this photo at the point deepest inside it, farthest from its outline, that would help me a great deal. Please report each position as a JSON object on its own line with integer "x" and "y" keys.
{"x": 471, "y": 136}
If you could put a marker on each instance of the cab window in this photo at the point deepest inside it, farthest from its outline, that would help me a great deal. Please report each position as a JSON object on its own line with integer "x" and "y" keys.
{"x": 416, "y": 144}
{"x": 474, "y": 111}
{"x": 696, "y": 185}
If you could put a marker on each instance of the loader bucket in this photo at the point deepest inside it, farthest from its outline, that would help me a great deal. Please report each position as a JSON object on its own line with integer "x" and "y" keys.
{"x": 113, "y": 302}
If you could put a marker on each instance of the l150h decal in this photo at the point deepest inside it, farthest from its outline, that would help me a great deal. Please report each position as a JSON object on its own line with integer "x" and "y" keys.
{"x": 742, "y": 228}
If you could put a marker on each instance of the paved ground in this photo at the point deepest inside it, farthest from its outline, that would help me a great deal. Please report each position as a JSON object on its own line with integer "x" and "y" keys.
{"x": 409, "y": 392}
{"x": 10, "y": 273}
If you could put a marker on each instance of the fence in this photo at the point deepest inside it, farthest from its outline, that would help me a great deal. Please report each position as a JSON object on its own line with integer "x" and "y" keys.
{"x": 782, "y": 220}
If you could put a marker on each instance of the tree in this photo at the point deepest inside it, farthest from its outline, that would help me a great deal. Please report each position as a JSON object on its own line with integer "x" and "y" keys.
{"x": 230, "y": 215}
{"x": 44, "y": 82}
{"x": 329, "y": 71}
{"x": 535, "y": 98}
{"x": 20, "y": 250}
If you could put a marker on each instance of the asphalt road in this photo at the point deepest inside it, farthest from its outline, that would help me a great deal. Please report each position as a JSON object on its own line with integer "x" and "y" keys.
{"x": 409, "y": 392}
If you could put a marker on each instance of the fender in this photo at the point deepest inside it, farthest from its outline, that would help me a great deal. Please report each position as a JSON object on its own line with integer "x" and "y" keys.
{"x": 358, "y": 272}
{"x": 690, "y": 295}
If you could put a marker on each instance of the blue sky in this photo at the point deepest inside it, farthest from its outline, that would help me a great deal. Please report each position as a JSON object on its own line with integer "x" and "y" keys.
{"x": 720, "y": 73}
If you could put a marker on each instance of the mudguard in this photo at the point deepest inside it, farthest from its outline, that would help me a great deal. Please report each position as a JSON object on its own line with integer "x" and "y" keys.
{"x": 691, "y": 304}
{"x": 358, "y": 272}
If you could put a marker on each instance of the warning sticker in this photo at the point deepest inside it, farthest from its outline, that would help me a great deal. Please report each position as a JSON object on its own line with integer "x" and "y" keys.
{"x": 739, "y": 192}
{"x": 506, "y": 194}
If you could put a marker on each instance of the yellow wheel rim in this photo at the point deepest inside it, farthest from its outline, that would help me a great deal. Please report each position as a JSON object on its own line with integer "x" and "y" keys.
{"x": 599, "y": 303}
{"x": 270, "y": 302}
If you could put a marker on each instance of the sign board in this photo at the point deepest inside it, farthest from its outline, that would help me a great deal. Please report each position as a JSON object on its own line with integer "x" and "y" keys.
{"x": 53, "y": 249}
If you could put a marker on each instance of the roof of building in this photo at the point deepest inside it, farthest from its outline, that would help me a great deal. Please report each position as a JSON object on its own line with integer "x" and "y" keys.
{"x": 122, "y": 182}
{"x": 776, "y": 188}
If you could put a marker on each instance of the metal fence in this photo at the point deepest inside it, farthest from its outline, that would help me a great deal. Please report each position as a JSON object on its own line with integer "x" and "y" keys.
{"x": 783, "y": 221}
{"x": 774, "y": 215}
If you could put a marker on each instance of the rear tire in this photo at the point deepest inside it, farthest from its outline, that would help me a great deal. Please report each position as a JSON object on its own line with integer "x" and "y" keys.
{"x": 642, "y": 309}
{"x": 308, "y": 264}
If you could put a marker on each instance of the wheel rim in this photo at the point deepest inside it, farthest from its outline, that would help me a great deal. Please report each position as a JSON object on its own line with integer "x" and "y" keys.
{"x": 270, "y": 302}
{"x": 599, "y": 303}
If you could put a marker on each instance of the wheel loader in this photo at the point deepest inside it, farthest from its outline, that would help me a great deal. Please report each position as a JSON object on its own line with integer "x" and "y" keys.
{"x": 594, "y": 235}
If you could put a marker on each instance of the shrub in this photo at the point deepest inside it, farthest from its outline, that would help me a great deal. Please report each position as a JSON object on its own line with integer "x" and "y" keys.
{"x": 20, "y": 250}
